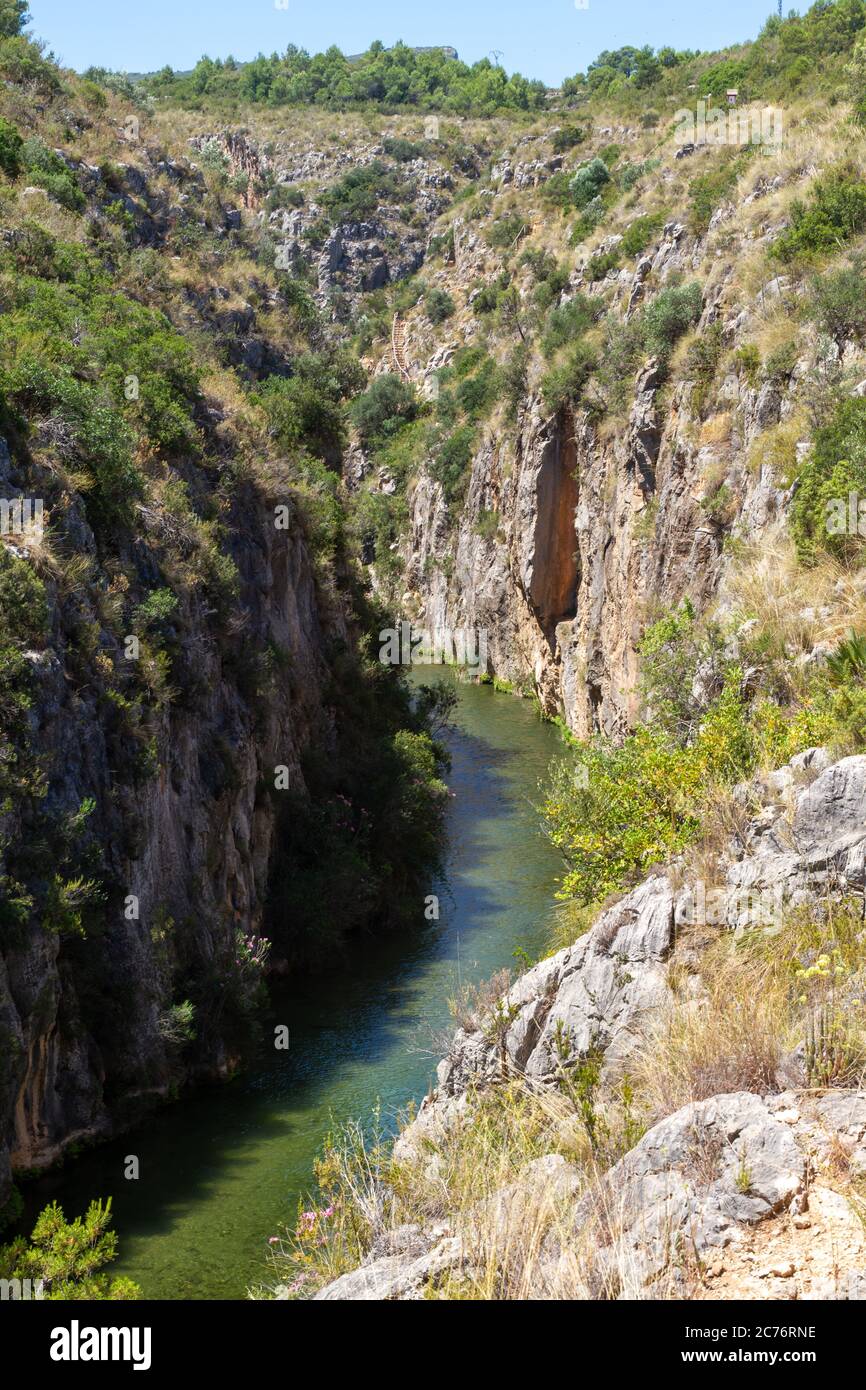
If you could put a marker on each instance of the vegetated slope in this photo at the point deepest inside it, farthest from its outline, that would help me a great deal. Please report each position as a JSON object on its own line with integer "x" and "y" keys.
{"x": 191, "y": 734}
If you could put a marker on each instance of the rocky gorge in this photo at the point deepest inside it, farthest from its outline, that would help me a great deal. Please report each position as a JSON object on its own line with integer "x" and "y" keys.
{"x": 527, "y": 367}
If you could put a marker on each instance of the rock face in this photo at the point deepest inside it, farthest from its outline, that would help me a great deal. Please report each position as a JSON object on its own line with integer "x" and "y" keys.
{"x": 188, "y": 851}
{"x": 593, "y": 529}
{"x": 703, "y": 1174}
{"x": 807, "y": 838}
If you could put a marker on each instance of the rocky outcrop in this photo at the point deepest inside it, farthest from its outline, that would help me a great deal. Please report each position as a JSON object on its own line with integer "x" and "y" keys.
{"x": 738, "y": 1196}
{"x": 805, "y": 838}
{"x": 185, "y": 850}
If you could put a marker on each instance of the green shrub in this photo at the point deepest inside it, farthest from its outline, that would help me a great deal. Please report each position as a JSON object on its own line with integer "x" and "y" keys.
{"x": 284, "y": 195}
{"x": 22, "y": 62}
{"x": 748, "y": 360}
{"x": 507, "y": 231}
{"x": 11, "y": 146}
{"x": 838, "y": 303}
{"x": 103, "y": 441}
{"x": 13, "y": 17}
{"x": 358, "y": 194}
{"x": 568, "y": 322}
{"x": 513, "y": 378}
{"x": 567, "y": 137}
{"x": 633, "y": 173}
{"x": 564, "y": 383}
{"x": 438, "y": 305}
{"x": 834, "y": 472}
{"x": 780, "y": 363}
{"x": 600, "y": 265}
{"x": 64, "y": 1256}
{"x": 702, "y": 361}
{"x": 383, "y": 409}
{"x": 592, "y": 216}
{"x": 618, "y": 358}
{"x": 588, "y": 182}
{"x": 667, "y": 317}
{"x": 307, "y": 409}
{"x": 556, "y": 191}
{"x": 835, "y": 212}
{"x": 403, "y": 150}
{"x": 451, "y": 460}
{"x": 707, "y": 191}
{"x": 48, "y": 171}
{"x": 615, "y": 810}
{"x": 641, "y": 232}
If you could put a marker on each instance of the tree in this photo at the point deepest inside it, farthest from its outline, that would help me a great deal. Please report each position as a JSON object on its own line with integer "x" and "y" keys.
{"x": 64, "y": 1256}
{"x": 13, "y": 17}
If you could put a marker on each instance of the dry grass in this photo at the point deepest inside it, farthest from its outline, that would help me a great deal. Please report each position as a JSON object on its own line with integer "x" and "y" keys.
{"x": 730, "y": 1039}
{"x": 762, "y": 996}
{"x": 795, "y": 608}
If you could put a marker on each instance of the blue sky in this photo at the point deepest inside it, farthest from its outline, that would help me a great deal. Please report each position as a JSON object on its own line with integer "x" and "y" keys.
{"x": 549, "y": 39}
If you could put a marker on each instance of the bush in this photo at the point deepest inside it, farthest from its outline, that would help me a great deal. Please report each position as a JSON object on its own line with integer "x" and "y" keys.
{"x": 588, "y": 182}
{"x": 835, "y": 213}
{"x": 513, "y": 378}
{"x": 11, "y": 146}
{"x": 284, "y": 195}
{"x": 438, "y": 305}
{"x": 633, "y": 173}
{"x": 451, "y": 459}
{"x": 567, "y": 137}
{"x": 835, "y": 469}
{"x": 748, "y": 360}
{"x": 838, "y": 303}
{"x": 383, "y": 409}
{"x": 780, "y": 363}
{"x": 358, "y": 194}
{"x": 564, "y": 383}
{"x": 507, "y": 231}
{"x": 702, "y": 361}
{"x": 48, "y": 171}
{"x": 64, "y": 1256}
{"x": 641, "y": 232}
{"x": 13, "y": 17}
{"x": 568, "y": 322}
{"x": 103, "y": 441}
{"x": 668, "y": 316}
{"x": 600, "y": 265}
{"x": 614, "y": 811}
{"x": 402, "y": 150}
{"x": 707, "y": 191}
{"x": 22, "y": 62}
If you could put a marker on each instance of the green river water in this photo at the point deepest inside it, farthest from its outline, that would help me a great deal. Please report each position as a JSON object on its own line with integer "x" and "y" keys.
{"x": 222, "y": 1169}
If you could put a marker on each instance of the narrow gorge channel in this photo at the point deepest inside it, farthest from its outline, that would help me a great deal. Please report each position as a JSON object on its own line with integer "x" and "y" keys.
{"x": 223, "y": 1168}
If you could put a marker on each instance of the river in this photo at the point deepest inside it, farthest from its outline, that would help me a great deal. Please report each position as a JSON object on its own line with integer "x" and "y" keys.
{"x": 223, "y": 1168}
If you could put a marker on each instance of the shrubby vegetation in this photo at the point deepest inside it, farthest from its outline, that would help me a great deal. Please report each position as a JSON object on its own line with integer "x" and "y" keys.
{"x": 66, "y": 1257}
{"x": 835, "y": 212}
{"x": 615, "y": 810}
{"x": 834, "y": 472}
{"x": 361, "y": 847}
